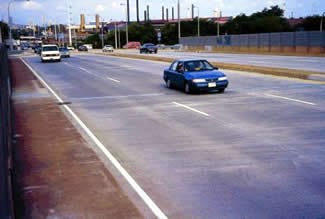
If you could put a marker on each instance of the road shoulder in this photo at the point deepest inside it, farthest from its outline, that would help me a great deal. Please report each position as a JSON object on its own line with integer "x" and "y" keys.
{"x": 56, "y": 174}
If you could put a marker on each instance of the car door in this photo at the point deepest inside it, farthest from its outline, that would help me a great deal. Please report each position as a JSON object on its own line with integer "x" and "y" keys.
{"x": 171, "y": 73}
{"x": 179, "y": 75}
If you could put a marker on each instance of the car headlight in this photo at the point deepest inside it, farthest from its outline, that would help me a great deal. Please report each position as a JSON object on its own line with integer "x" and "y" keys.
{"x": 222, "y": 78}
{"x": 198, "y": 80}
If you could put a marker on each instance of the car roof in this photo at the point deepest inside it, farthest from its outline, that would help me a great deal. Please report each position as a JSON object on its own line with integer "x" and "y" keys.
{"x": 49, "y": 45}
{"x": 189, "y": 60}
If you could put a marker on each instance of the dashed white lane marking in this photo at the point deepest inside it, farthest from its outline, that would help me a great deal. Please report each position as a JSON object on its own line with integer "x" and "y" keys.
{"x": 68, "y": 64}
{"x": 286, "y": 98}
{"x": 149, "y": 202}
{"x": 112, "y": 79}
{"x": 117, "y": 97}
{"x": 192, "y": 109}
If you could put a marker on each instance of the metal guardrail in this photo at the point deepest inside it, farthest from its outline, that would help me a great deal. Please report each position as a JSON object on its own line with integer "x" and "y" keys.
{"x": 5, "y": 134}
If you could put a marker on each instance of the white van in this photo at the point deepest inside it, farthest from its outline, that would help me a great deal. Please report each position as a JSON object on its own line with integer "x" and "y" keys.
{"x": 50, "y": 53}
{"x": 89, "y": 46}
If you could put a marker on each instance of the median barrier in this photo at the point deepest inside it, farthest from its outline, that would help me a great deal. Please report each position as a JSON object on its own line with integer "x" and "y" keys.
{"x": 283, "y": 72}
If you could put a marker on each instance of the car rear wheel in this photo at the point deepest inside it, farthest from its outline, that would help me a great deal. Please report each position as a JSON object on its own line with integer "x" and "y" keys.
{"x": 221, "y": 90}
{"x": 187, "y": 88}
{"x": 169, "y": 84}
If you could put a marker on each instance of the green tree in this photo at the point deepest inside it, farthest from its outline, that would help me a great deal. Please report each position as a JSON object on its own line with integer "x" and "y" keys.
{"x": 311, "y": 23}
{"x": 94, "y": 40}
{"x": 266, "y": 21}
{"x": 4, "y": 30}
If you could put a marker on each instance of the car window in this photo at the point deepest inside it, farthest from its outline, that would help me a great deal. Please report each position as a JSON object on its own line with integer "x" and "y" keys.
{"x": 50, "y": 48}
{"x": 200, "y": 65}
{"x": 174, "y": 66}
{"x": 180, "y": 67}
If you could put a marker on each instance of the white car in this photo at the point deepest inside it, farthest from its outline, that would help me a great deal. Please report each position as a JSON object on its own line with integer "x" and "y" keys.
{"x": 108, "y": 48}
{"x": 70, "y": 48}
{"x": 50, "y": 53}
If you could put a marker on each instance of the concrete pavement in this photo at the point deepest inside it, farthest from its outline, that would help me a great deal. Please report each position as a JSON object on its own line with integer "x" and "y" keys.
{"x": 56, "y": 174}
{"x": 253, "y": 152}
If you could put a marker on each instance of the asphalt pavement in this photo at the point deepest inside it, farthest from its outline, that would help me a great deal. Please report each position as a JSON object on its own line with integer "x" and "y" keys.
{"x": 316, "y": 64}
{"x": 255, "y": 151}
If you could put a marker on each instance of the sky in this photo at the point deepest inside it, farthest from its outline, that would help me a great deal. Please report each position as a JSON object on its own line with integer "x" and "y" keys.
{"x": 38, "y": 12}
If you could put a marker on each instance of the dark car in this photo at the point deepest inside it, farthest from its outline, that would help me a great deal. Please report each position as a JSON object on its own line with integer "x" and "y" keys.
{"x": 148, "y": 48}
{"x": 83, "y": 48}
{"x": 195, "y": 75}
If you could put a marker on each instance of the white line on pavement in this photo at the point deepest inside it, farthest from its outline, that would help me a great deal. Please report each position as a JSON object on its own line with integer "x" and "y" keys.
{"x": 112, "y": 79}
{"x": 192, "y": 109}
{"x": 286, "y": 98}
{"x": 68, "y": 64}
{"x": 154, "y": 208}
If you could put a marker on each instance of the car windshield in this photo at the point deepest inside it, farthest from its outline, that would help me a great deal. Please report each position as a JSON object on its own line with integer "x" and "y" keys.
{"x": 50, "y": 48}
{"x": 200, "y": 65}
{"x": 63, "y": 49}
{"x": 149, "y": 44}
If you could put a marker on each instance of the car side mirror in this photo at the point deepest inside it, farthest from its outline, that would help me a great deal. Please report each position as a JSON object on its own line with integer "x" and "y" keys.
{"x": 216, "y": 68}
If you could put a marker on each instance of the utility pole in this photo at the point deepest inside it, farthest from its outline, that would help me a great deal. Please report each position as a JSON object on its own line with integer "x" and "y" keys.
{"x": 179, "y": 21}
{"x": 198, "y": 19}
{"x": 138, "y": 19}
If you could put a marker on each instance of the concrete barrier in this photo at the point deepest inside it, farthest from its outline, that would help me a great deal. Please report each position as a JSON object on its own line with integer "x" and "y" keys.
{"x": 6, "y": 209}
{"x": 291, "y": 73}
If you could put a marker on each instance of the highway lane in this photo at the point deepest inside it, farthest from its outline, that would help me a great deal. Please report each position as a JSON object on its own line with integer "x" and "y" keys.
{"x": 255, "y": 151}
{"x": 291, "y": 62}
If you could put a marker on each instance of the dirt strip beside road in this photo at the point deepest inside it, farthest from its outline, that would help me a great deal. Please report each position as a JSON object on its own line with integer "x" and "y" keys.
{"x": 56, "y": 174}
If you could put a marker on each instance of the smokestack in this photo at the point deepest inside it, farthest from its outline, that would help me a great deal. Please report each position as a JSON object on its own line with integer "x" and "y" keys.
{"x": 145, "y": 15}
{"x": 172, "y": 13}
{"x": 128, "y": 10}
{"x": 138, "y": 20}
{"x": 163, "y": 13}
{"x": 82, "y": 23}
{"x": 167, "y": 14}
{"x": 97, "y": 23}
{"x": 192, "y": 11}
{"x": 148, "y": 18}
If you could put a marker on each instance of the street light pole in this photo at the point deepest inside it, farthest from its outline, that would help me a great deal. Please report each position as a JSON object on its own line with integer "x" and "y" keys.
{"x": 321, "y": 22}
{"x": 126, "y": 28}
{"x": 102, "y": 33}
{"x": 115, "y": 36}
{"x": 9, "y": 25}
{"x": 69, "y": 17}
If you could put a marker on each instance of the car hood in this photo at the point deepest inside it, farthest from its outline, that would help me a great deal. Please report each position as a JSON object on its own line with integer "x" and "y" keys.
{"x": 50, "y": 52}
{"x": 204, "y": 74}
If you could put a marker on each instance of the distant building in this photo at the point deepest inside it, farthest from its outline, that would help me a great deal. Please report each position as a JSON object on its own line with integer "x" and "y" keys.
{"x": 295, "y": 21}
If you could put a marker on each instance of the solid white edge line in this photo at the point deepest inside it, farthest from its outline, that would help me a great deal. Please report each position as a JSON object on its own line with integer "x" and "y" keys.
{"x": 154, "y": 208}
{"x": 112, "y": 79}
{"x": 192, "y": 109}
{"x": 286, "y": 98}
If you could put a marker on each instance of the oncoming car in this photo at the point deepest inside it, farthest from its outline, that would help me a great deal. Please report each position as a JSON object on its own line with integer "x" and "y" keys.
{"x": 195, "y": 75}
{"x": 50, "y": 53}
{"x": 108, "y": 48}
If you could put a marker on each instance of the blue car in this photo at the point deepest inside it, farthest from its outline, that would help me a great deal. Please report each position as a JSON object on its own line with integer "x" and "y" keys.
{"x": 194, "y": 75}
